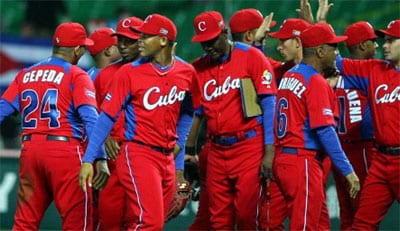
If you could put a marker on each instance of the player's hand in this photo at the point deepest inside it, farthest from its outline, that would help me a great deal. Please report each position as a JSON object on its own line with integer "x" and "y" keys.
{"x": 192, "y": 158}
{"x": 112, "y": 148}
{"x": 305, "y": 11}
{"x": 85, "y": 176}
{"x": 263, "y": 30}
{"x": 102, "y": 174}
{"x": 323, "y": 9}
{"x": 354, "y": 184}
{"x": 266, "y": 164}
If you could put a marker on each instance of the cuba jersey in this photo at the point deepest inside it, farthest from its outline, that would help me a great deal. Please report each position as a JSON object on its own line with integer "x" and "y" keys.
{"x": 381, "y": 80}
{"x": 93, "y": 72}
{"x": 305, "y": 101}
{"x": 48, "y": 95}
{"x": 102, "y": 84}
{"x": 218, "y": 88}
{"x": 150, "y": 99}
{"x": 355, "y": 123}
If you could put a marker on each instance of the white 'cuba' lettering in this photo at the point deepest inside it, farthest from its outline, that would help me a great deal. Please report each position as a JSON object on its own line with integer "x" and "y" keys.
{"x": 163, "y": 100}
{"x": 220, "y": 90}
{"x": 387, "y": 97}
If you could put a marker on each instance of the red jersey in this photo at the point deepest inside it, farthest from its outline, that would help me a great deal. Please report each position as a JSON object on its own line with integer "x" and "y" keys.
{"x": 381, "y": 80}
{"x": 151, "y": 99}
{"x": 102, "y": 83}
{"x": 48, "y": 95}
{"x": 355, "y": 122}
{"x": 218, "y": 88}
{"x": 305, "y": 101}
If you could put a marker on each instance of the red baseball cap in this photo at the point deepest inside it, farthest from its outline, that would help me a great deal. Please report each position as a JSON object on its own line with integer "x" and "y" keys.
{"x": 102, "y": 39}
{"x": 393, "y": 29}
{"x": 359, "y": 32}
{"x": 156, "y": 24}
{"x": 290, "y": 28}
{"x": 319, "y": 34}
{"x": 246, "y": 19}
{"x": 125, "y": 26}
{"x": 71, "y": 34}
{"x": 207, "y": 26}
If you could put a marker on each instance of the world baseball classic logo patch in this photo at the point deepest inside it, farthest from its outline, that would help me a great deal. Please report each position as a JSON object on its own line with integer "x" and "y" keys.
{"x": 266, "y": 77}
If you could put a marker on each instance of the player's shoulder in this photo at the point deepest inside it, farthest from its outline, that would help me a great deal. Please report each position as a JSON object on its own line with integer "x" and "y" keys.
{"x": 304, "y": 71}
{"x": 183, "y": 64}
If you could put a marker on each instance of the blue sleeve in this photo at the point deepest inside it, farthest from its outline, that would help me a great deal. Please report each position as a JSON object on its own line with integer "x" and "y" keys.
{"x": 180, "y": 160}
{"x": 267, "y": 103}
{"x": 99, "y": 134}
{"x": 89, "y": 115}
{"x": 330, "y": 141}
{"x": 183, "y": 128}
{"x": 6, "y": 109}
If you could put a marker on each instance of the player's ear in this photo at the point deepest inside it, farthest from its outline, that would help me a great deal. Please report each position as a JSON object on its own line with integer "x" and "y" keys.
{"x": 163, "y": 41}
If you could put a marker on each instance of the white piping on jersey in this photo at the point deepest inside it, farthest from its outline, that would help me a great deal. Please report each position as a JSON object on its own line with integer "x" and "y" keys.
{"x": 128, "y": 163}
{"x": 86, "y": 193}
{"x": 260, "y": 194}
{"x": 365, "y": 160}
{"x": 306, "y": 201}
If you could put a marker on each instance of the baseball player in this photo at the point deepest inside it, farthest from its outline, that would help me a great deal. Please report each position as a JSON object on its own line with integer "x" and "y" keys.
{"x": 104, "y": 50}
{"x": 291, "y": 50}
{"x": 238, "y": 142}
{"x": 112, "y": 198}
{"x": 381, "y": 80}
{"x": 155, "y": 86}
{"x": 249, "y": 26}
{"x": 56, "y": 100}
{"x": 355, "y": 124}
{"x": 304, "y": 124}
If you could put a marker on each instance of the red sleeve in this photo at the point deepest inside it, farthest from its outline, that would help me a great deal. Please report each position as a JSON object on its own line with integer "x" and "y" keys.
{"x": 319, "y": 103}
{"x": 84, "y": 93}
{"x": 261, "y": 72}
{"x": 119, "y": 90}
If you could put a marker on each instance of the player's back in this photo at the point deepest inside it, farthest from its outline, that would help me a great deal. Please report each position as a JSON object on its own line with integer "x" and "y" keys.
{"x": 48, "y": 97}
{"x": 304, "y": 102}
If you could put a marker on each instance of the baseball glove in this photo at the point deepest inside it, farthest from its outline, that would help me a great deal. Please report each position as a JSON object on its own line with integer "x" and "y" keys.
{"x": 181, "y": 198}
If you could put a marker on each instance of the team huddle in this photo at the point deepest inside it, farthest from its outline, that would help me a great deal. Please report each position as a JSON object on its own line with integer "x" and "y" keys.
{"x": 108, "y": 146}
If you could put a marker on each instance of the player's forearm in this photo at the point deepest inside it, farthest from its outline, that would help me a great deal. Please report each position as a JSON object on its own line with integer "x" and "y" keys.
{"x": 6, "y": 109}
{"x": 183, "y": 128}
{"x": 268, "y": 106}
{"x": 89, "y": 115}
{"x": 330, "y": 141}
{"x": 97, "y": 137}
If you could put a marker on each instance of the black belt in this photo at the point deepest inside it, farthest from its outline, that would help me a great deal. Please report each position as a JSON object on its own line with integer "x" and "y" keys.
{"x": 230, "y": 140}
{"x": 294, "y": 151}
{"x": 155, "y": 148}
{"x": 394, "y": 151}
{"x": 48, "y": 137}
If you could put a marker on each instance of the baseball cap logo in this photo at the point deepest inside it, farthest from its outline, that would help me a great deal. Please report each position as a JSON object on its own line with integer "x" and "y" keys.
{"x": 57, "y": 40}
{"x": 126, "y": 23}
{"x": 201, "y": 26}
{"x": 296, "y": 32}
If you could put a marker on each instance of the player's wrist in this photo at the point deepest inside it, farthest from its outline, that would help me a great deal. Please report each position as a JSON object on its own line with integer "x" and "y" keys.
{"x": 190, "y": 150}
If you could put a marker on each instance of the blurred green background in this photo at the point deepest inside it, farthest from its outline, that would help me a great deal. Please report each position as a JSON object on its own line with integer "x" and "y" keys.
{"x": 182, "y": 12}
